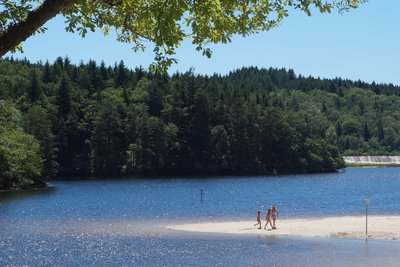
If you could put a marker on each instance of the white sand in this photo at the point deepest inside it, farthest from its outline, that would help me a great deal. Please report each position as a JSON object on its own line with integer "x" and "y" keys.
{"x": 379, "y": 227}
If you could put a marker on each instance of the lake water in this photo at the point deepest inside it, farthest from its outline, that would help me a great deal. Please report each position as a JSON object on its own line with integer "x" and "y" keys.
{"x": 119, "y": 222}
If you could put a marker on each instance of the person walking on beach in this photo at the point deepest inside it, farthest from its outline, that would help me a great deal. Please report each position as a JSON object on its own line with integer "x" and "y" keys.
{"x": 274, "y": 215}
{"x": 268, "y": 219}
{"x": 258, "y": 220}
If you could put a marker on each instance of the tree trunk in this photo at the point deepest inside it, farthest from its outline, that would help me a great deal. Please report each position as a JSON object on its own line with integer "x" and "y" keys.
{"x": 19, "y": 32}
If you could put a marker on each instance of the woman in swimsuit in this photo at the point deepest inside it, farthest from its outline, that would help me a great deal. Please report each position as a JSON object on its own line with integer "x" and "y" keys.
{"x": 268, "y": 219}
{"x": 274, "y": 214}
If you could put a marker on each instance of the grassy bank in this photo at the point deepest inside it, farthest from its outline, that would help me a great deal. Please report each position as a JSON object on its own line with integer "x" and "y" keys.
{"x": 372, "y": 165}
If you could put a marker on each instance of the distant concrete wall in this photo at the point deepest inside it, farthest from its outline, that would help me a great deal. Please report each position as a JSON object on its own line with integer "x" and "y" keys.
{"x": 372, "y": 159}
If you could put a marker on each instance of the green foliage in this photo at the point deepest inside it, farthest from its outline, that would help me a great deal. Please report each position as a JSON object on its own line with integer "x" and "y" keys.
{"x": 166, "y": 23}
{"x": 36, "y": 123}
{"x": 20, "y": 159}
{"x": 96, "y": 120}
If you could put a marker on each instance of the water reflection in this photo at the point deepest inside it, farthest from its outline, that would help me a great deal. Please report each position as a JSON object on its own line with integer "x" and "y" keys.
{"x": 12, "y": 196}
{"x": 197, "y": 250}
{"x": 118, "y": 222}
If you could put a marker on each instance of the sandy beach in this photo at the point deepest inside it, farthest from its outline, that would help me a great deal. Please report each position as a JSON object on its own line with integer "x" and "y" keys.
{"x": 379, "y": 227}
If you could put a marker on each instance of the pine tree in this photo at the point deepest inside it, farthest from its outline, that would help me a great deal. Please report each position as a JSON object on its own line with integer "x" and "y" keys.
{"x": 34, "y": 89}
{"x": 63, "y": 98}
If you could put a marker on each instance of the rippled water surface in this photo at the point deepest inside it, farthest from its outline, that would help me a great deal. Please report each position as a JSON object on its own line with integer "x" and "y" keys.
{"x": 119, "y": 222}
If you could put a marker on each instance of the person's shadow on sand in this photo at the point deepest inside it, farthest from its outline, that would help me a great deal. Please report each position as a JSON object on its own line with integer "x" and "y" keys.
{"x": 248, "y": 229}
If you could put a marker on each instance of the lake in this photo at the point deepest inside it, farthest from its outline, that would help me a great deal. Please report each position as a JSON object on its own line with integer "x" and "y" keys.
{"x": 118, "y": 222}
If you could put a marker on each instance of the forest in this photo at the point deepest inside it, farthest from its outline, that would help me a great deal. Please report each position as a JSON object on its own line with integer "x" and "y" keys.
{"x": 92, "y": 120}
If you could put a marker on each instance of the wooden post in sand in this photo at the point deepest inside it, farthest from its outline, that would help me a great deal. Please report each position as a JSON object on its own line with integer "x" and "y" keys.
{"x": 366, "y": 202}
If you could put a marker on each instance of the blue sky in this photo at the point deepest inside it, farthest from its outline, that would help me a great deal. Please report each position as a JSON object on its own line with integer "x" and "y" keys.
{"x": 362, "y": 44}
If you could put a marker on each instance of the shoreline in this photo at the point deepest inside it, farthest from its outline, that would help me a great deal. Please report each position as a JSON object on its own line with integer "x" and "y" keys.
{"x": 371, "y": 165}
{"x": 380, "y": 227}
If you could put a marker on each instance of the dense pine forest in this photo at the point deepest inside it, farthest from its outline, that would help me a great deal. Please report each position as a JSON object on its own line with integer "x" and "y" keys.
{"x": 59, "y": 119}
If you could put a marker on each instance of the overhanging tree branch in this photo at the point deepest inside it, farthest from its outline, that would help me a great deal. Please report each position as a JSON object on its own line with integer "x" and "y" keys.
{"x": 164, "y": 23}
{"x": 19, "y": 32}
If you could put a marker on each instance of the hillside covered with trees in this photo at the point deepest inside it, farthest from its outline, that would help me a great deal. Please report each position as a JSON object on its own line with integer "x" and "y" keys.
{"x": 59, "y": 119}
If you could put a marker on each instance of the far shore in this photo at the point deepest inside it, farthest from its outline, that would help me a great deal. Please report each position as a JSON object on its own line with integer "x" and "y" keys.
{"x": 371, "y": 165}
{"x": 379, "y": 227}
{"x": 372, "y": 161}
